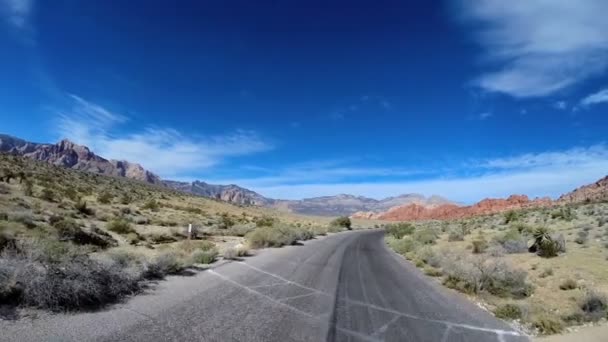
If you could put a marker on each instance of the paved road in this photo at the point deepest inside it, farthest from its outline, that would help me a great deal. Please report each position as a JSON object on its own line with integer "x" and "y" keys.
{"x": 345, "y": 287}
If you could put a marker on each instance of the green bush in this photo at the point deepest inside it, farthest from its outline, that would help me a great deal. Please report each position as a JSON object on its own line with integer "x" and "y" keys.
{"x": 508, "y": 311}
{"x": 403, "y": 246}
{"x": 120, "y": 226}
{"x": 275, "y": 236}
{"x": 47, "y": 195}
{"x": 548, "y": 249}
{"x": 265, "y": 221}
{"x": 594, "y": 305}
{"x": 425, "y": 236}
{"x": 204, "y": 257}
{"x": 151, "y": 205}
{"x": 342, "y": 221}
{"x": 547, "y": 325}
{"x": 399, "y": 230}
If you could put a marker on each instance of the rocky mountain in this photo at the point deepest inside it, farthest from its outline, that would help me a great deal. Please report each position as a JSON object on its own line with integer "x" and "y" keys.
{"x": 593, "y": 192}
{"x": 229, "y": 193}
{"x": 70, "y": 155}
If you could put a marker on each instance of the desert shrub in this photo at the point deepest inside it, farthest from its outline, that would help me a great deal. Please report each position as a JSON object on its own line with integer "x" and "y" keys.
{"x": 126, "y": 199}
{"x": 264, "y": 221}
{"x": 161, "y": 238}
{"x": 133, "y": 238}
{"x": 455, "y": 235}
{"x": 28, "y": 187}
{"x": 342, "y": 221}
{"x": 510, "y": 216}
{"x": 564, "y": 213}
{"x": 226, "y": 221}
{"x": 47, "y": 195}
{"x": 403, "y": 246}
{"x": 162, "y": 265}
{"x": 433, "y": 272}
{"x": 3, "y": 216}
{"x": 399, "y": 230}
{"x": 204, "y": 257}
{"x": 476, "y": 274}
{"x": 508, "y": 311}
{"x": 70, "y": 230}
{"x": 582, "y": 237}
{"x": 479, "y": 245}
{"x": 151, "y": 205}
{"x": 428, "y": 256}
{"x": 496, "y": 250}
{"x": 234, "y": 253}
{"x": 548, "y": 249}
{"x": 26, "y": 220}
{"x": 594, "y": 305}
{"x": 275, "y": 236}
{"x": 601, "y": 221}
{"x": 120, "y": 226}
{"x": 546, "y": 273}
{"x": 512, "y": 242}
{"x": 547, "y": 325}
{"x": 4, "y": 189}
{"x": 334, "y": 229}
{"x": 81, "y": 207}
{"x": 426, "y": 236}
{"x": 7, "y": 240}
{"x": 568, "y": 284}
{"x": 105, "y": 197}
{"x": 240, "y": 229}
{"x": 71, "y": 282}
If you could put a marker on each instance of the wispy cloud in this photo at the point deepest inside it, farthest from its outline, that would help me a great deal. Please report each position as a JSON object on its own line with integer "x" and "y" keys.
{"x": 549, "y": 173}
{"x": 561, "y": 105}
{"x": 162, "y": 150}
{"x": 316, "y": 171}
{"x": 539, "y": 47}
{"x": 16, "y": 12}
{"x": 595, "y": 98}
{"x": 364, "y": 103}
{"x": 485, "y": 115}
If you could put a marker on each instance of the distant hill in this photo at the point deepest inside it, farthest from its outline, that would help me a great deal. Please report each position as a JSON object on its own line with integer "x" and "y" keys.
{"x": 229, "y": 193}
{"x": 70, "y": 155}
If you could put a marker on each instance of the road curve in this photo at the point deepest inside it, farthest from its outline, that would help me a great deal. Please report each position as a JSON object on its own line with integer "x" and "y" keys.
{"x": 345, "y": 287}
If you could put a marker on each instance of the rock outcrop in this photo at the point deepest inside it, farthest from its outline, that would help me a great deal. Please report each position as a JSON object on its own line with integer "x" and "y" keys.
{"x": 597, "y": 191}
{"x": 70, "y": 155}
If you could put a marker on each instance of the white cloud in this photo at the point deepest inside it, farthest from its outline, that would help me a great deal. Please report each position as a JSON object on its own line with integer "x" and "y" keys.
{"x": 539, "y": 46}
{"x": 596, "y": 98}
{"x": 162, "y": 150}
{"x": 16, "y": 12}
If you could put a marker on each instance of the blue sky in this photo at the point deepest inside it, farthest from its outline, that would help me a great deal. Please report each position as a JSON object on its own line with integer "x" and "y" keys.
{"x": 466, "y": 99}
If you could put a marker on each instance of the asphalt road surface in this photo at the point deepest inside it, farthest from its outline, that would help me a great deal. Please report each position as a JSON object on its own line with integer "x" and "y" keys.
{"x": 344, "y": 287}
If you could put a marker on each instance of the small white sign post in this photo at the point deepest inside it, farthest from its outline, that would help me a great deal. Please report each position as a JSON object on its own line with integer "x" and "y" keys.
{"x": 189, "y": 231}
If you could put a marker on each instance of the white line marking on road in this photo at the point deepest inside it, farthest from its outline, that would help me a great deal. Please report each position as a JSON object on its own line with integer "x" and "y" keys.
{"x": 383, "y": 328}
{"x": 269, "y": 285}
{"x": 298, "y": 296}
{"x": 356, "y": 302}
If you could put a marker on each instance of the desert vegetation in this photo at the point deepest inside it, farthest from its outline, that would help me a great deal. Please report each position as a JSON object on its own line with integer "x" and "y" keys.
{"x": 546, "y": 268}
{"x": 72, "y": 240}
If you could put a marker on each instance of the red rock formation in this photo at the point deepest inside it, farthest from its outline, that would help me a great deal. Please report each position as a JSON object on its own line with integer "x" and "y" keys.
{"x": 414, "y": 212}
